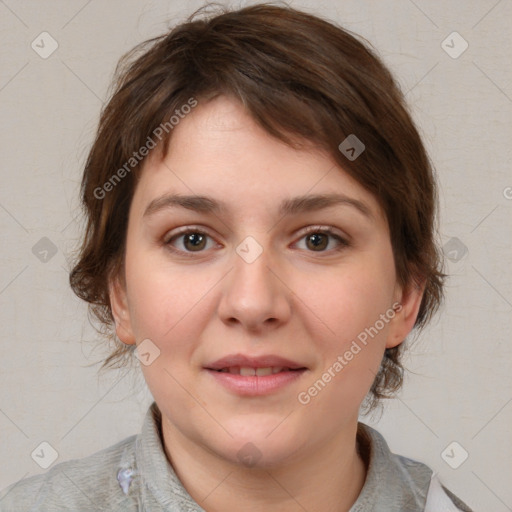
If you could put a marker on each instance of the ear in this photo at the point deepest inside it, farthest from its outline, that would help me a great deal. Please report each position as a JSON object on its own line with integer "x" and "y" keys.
{"x": 407, "y": 305}
{"x": 120, "y": 311}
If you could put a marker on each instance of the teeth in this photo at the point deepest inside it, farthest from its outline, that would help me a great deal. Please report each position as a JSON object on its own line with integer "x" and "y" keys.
{"x": 246, "y": 371}
{"x": 261, "y": 372}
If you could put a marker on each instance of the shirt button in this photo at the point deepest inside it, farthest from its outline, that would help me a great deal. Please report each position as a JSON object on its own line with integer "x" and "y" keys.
{"x": 125, "y": 477}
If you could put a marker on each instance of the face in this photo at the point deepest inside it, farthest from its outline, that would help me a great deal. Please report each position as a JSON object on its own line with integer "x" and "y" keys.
{"x": 254, "y": 278}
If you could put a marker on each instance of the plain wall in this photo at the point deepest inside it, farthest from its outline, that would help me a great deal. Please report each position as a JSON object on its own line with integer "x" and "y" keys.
{"x": 459, "y": 387}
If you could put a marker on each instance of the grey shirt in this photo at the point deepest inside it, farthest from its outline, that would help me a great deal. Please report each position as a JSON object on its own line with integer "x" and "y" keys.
{"x": 135, "y": 475}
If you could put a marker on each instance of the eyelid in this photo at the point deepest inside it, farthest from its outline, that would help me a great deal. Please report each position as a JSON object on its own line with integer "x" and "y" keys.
{"x": 185, "y": 229}
{"x": 166, "y": 241}
{"x": 323, "y": 228}
{"x": 343, "y": 239}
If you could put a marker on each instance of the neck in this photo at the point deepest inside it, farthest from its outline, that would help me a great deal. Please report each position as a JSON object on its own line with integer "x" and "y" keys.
{"x": 328, "y": 477}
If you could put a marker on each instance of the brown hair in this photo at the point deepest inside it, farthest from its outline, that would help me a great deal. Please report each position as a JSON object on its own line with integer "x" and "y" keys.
{"x": 302, "y": 79}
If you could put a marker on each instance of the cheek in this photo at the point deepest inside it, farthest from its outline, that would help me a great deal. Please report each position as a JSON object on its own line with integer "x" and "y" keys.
{"x": 353, "y": 298}
{"x": 166, "y": 303}
{"x": 350, "y": 358}
{"x": 351, "y": 303}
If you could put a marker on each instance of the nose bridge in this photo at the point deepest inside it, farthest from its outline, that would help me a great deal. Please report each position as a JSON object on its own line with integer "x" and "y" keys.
{"x": 252, "y": 294}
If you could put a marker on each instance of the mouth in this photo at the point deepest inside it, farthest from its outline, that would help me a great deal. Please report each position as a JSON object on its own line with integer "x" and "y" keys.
{"x": 254, "y": 365}
{"x": 247, "y": 371}
{"x": 254, "y": 376}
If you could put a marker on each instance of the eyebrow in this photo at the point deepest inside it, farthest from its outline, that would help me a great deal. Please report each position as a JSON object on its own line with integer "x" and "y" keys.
{"x": 291, "y": 206}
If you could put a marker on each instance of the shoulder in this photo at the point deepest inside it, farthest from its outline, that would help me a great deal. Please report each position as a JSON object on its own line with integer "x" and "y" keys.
{"x": 397, "y": 481}
{"x": 439, "y": 498}
{"x": 78, "y": 484}
{"x": 392, "y": 480}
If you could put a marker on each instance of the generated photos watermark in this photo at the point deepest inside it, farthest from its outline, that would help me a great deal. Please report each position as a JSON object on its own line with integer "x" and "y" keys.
{"x": 305, "y": 397}
{"x": 143, "y": 151}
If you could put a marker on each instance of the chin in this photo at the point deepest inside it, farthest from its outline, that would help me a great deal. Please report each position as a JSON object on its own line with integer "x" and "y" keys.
{"x": 261, "y": 428}
{"x": 261, "y": 447}
{"x": 258, "y": 455}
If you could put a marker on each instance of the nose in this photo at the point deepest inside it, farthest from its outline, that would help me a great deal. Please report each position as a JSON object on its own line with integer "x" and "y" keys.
{"x": 255, "y": 295}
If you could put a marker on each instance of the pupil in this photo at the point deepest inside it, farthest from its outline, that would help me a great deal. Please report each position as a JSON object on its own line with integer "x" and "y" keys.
{"x": 317, "y": 239}
{"x": 196, "y": 239}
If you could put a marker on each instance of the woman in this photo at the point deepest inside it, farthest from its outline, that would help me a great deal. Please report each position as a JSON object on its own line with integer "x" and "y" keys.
{"x": 261, "y": 220}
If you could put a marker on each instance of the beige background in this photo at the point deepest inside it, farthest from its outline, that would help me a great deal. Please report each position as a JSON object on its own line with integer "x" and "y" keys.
{"x": 460, "y": 384}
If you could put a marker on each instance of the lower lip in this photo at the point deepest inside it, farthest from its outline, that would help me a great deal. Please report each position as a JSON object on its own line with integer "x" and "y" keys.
{"x": 253, "y": 385}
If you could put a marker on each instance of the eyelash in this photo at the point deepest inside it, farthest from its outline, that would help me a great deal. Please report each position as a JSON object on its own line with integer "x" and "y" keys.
{"x": 342, "y": 242}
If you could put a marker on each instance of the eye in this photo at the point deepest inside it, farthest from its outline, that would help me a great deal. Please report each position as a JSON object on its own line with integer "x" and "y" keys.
{"x": 189, "y": 240}
{"x": 318, "y": 238}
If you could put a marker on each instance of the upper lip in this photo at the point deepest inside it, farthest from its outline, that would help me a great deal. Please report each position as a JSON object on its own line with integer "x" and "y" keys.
{"x": 244, "y": 361}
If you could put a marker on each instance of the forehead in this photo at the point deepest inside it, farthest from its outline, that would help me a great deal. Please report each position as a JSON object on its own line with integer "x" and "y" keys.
{"x": 219, "y": 151}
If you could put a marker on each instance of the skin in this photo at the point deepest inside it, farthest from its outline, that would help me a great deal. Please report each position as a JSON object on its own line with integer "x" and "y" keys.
{"x": 294, "y": 300}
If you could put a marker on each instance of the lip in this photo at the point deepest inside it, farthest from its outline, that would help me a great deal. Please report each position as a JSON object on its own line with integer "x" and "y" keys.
{"x": 254, "y": 385}
{"x": 263, "y": 361}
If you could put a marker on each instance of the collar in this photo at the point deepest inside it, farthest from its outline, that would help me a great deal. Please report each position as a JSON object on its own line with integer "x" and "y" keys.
{"x": 392, "y": 482}
{"x": 159, "y": 483}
